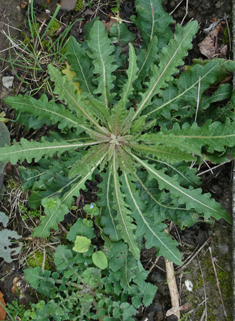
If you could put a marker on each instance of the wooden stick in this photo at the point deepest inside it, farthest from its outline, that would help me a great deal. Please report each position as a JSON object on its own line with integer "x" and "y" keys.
{"x": 171, "y": 281}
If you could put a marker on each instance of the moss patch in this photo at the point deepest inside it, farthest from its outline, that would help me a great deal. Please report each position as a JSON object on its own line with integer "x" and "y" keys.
{"x": 53, "y": 28}
{"x": 37, "y": 260}
{"x": 79, "y": 5}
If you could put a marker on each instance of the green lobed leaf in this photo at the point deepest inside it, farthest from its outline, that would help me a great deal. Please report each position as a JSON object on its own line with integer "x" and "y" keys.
{"x": 153, "y": 21}
{"x": 66, "y": 90}
{"x": 50, "y": 309}
{"x": 121, "y": 117}
{"x": 30, "y": 150}
{"x": 81, "y": 64}
{"x": 55, "y": 212}
{"x": 211, "y": 136}
{"x": 171, "y": 154}
{"x": 117, "y": 255}
{"x": 155, "y": 235}
{"x": 85, "y": 174}
{"x": 103, "y": 60}
{"x": 145, "y": 59}
{"x": 79, "y": 228}
{"x": 106, "y": 203}
{"x": 92, "y": 156}
{"x": 170, "y": 57}
{"x": 44, "y": 110}
{"x": 160, "y": 205}
{"x": 193, "y": 198}
{"x": 33, "y": 276}
{"x": 120, "y": 33}
{"x": 49, "y": 178}
{"x": 184, "y": 91}
{"x": 92, "y": 276}
{"x": 62, "y": 257}
{"x": 61, "y": 208}
{"x": 223, "y": 92}
{"x": 91, "y": 209}
{"x": 97, "y": 108}
{"x": 132, "y": 76}
{"x": 125, "y": 222}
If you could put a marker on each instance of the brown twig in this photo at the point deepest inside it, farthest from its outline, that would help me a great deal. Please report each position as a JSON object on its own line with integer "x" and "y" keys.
{"x": 62, "y": 228}
{"x": 218, "y": 283}
{"x": 153, "y": 265}
{"x": 211, "y": 169}
{"x": 204, "y": 314}
{"x": 171, "y": 13}
{"x": 186, "y": 13}
{"x": 192, "y": 257}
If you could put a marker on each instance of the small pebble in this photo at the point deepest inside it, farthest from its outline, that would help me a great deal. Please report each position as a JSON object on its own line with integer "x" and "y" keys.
{"x": 189, "y": 285}
{"x": 224, "y": 249}
{"x": 7, "y": 81}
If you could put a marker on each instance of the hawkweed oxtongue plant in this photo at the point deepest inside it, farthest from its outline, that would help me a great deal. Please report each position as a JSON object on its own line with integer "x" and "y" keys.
{"x": 137, "y": 125}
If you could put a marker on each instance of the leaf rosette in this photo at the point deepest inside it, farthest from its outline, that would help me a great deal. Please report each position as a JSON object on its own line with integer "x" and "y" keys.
{"x": 131, "y": 126}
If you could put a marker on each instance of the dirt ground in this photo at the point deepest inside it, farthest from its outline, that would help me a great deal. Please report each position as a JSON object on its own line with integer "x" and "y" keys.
{"x": 207, "y": 248}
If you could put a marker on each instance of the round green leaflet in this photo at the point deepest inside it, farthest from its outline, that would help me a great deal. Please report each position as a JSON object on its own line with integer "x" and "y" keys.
{"x": 100, "y": 260}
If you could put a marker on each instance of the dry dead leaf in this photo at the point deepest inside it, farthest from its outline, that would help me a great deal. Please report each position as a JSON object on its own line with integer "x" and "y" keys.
{"x": 173, "y": 310}
{"x": 23, "y": 5}
{"x": 223, "y": 51}
{"x": 14, "y": 282}
{"x": 109, "y": 24}
{"x": 209, "y": 46}
{"x": 71, "y": 74}
{"x": 88, "y": 12}
{"x": 2, "y": 310}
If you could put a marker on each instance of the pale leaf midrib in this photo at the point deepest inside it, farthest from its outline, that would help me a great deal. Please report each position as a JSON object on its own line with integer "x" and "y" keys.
{"x": 146, "y": 223}
{"x": 200, "y": 136}
{"x": 184, "y": 92}
{"x": 146, "y": 148}
{"x": 77, "y": 104}
{"x": 119, "y": 205}
{"x": 160, "y": 76}
{"x": 49, "y": 147}
{"x": 49, "y": 111}
{"x": 81, "y": 69}
{"x": 103, "y": 67}
{"x": 173, "y": 186}
{"x": 108, "y": 203}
